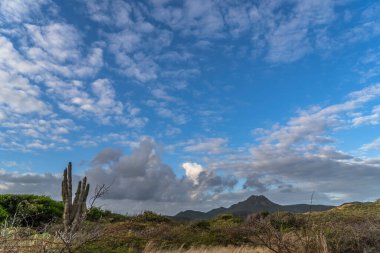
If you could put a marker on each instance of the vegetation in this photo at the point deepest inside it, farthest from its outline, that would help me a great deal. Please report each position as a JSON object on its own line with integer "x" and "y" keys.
{"x": 32, "y": 223}
{"x": 30, "y": 210}
{"x": 348, "y": 228}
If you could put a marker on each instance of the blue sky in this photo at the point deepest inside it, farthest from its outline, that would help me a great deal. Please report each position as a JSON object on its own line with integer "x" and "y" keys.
{"x": 192, "y": 104}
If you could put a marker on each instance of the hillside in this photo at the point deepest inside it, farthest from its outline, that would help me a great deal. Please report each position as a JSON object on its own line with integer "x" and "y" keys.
{"x": 351, "y": 227}
{"x": 354, "y": 212}
{"x": 253, "y": 204}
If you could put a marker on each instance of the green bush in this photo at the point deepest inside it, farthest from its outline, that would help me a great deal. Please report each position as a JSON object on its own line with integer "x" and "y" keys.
{"x": 227, "y": 218}
{"x": 201, "y": 225}
{"x": 149, "y": 216}
{"x": 287, "y": 221}
{"x": 31, "y": 210}
{"x": 95, "y": 214}
{"x": 3, "y": 214}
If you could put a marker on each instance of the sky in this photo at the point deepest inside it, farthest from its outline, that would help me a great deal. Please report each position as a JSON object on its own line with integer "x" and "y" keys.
{"x": 192, "y": 104}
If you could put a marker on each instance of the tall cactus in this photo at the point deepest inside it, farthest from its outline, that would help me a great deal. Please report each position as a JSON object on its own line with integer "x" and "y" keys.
{"x": 73, "y": 211}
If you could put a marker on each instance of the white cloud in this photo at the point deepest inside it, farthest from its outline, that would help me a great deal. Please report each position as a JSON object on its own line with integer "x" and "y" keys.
{"x": 172, "y": 131}
{"x": 59, "y": 40}
{"x": 192, "y": 171}
{"x": 133, "y": 41}
{"x": 143, "y": 176}
{"x": 162, "y": 94}
{"x": 210, "y": 146}
{"x": 291, "y": 39}
{"x": 17, "y": 11}
{"x": 47, "y": 184}
{"x": 198, "y": 18}
{"x": 177, "y": 118}
{"x": 371, "y": 119}
{"x": 99, "y": 11}
{"x": 374, "y": 145}
{"x": 310, "y": 124}
{"x": 166, "y": 111}
{"x": 11, "y": 60}
{"x": 19, "y": 96}
{"x": 284, "y": 36}
{"x": 47, "y": 67}
{"x": 28, "y": 133}
{"x": 139, "y": 65}
{"x": 300, "y": 156}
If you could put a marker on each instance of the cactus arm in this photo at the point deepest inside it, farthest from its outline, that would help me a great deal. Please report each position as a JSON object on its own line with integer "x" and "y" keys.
{"x": 70, "y": 185}
{"x": 74, "y": 211}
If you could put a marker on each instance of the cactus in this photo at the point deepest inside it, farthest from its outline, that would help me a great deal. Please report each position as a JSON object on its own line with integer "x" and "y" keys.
{"x": 74, "y": 212}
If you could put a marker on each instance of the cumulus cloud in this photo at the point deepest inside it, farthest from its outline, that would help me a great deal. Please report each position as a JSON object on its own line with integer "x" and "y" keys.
{"x": 301, "y": 154}
{"x": 25, "y": 183}
{"x": 255, "y": 184}
{"x": 52, "y": 80}
{"x": 143, "y": 176}
{"x": 140, "y": 176}
{"x": 192, "y": 171}
{"x": 311, "y": 126}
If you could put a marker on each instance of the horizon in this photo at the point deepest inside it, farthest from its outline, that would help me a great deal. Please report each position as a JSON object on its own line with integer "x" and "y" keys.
{"x": 192, "y": 104}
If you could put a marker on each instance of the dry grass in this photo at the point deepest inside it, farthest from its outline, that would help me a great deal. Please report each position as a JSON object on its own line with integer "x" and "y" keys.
{"x": 150, "y": 248}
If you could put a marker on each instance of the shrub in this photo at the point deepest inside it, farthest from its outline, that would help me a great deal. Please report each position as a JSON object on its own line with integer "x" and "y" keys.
{"x": 201, "y": 225}
{"x": 95, "y": 214}
{"x": 149, "y": 216}
{"x": 31, "y": 210}
{"x": 3, "y": 214}
{"x": 285, "y": 221}
{"x": 227, "y": 218}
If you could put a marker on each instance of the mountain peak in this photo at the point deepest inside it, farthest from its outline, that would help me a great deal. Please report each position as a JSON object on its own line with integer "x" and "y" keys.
{"x": 260, "y": 200}
{"x": 253, "y": 204}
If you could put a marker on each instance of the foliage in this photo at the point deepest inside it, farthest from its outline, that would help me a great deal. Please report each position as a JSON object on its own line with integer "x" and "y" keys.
{"x": 3, "y": 214}
{"x": 226, "y": 219}
{"x": 31, "y": 210}
{"x": 149, "y": 216}
{"x": 135, "y": 233}
{"x": 349, "y": 228}
{"x": 287, "y": 221}
{"x": 97, "y": 214}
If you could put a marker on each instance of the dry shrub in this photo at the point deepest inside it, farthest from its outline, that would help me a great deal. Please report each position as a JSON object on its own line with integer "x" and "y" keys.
{"x": 21, "y": 239}
{"x": 151, "y": 248}
{"x": 353, "y": 237}
{"x": 285, "y": 234}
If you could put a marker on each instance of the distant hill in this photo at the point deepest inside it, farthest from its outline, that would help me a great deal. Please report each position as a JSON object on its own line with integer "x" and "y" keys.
{"x": 253, "y": 204}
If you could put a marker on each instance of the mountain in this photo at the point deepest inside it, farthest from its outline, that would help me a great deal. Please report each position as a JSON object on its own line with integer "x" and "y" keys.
{"x": 253, "y": 204}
